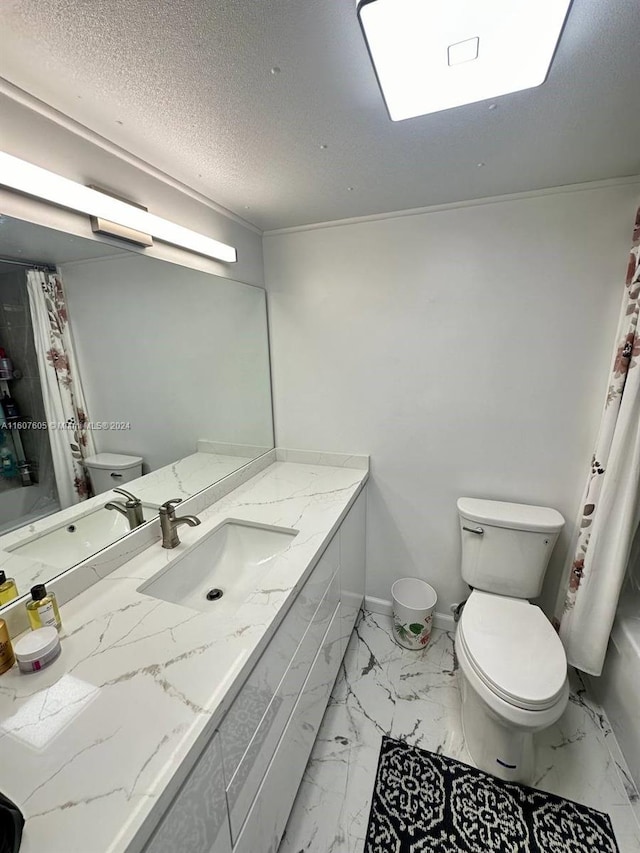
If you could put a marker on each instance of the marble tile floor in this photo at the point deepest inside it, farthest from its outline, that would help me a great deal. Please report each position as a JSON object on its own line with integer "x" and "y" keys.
{"x": 414, "y": 696}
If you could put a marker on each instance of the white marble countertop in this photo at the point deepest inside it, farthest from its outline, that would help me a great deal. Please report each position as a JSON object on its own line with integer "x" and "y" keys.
{"x": 94, "y": 747}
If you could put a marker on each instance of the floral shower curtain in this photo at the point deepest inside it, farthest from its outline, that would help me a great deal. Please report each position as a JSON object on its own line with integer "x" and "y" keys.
{"x": 70, "y": 439}
{"x": 611, "y": 506}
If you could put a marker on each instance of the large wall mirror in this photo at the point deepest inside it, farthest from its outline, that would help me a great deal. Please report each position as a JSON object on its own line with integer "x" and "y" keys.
{"x": 117, "y": 370}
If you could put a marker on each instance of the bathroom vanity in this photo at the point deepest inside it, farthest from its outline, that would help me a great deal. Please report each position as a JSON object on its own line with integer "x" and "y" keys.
{"x": 163, "y": 727}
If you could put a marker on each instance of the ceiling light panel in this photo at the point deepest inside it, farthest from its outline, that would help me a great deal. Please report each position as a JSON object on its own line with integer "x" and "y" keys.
{"x": 431, "y": 55}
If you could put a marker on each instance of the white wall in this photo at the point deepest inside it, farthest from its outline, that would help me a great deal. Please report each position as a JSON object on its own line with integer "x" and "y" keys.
{"x": 466, "y": 349}
{"x": 181, "y": 354}
{"x": 37, "y": 133}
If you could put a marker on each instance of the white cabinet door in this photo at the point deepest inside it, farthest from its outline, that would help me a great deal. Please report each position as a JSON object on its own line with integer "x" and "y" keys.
{"x": 267, "y": 819}
{"x": 245, "y": 714}
{"x": 242, "y": 789}
{"x": 197, "y": 821}
{"x": 352, "y": 564}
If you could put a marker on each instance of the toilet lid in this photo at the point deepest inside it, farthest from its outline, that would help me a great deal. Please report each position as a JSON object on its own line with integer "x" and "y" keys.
{"x": 514, "y": 649}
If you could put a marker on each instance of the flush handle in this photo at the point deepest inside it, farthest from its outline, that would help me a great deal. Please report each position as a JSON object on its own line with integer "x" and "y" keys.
{"x": 477, "y": 530}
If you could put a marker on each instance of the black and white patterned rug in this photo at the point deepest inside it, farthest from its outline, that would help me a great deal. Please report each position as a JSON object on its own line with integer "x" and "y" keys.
{"x": 427, "y": 803}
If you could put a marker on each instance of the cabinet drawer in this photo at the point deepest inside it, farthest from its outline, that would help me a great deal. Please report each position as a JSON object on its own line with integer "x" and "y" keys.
{"x": 267, "y": 819}
{"x": 246, "y": 780}
{"x": 245, "y": 714}
{"x": 196, "y": 821}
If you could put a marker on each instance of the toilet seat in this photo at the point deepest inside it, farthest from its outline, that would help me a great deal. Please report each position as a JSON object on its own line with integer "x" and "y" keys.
{"x": 514, "y": 650}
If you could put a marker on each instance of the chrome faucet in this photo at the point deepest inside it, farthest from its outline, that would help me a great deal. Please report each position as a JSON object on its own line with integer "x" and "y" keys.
{"x": 169, "y": 522}
{"x": 131, "y": 508}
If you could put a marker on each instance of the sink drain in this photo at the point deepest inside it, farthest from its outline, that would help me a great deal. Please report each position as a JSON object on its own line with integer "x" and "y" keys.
{"x": 214, "y": 594}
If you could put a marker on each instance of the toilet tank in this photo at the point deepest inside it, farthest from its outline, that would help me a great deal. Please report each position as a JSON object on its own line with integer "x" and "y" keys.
{"x": 110, "y": 470}
{"x": 506, "y": 546}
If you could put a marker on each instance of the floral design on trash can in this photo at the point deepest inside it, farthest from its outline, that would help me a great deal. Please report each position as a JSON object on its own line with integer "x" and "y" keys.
{"x": 415, "y": 635}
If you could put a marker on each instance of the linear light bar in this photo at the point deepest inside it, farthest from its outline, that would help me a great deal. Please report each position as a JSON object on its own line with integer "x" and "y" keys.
{"x": 431, "y": 55}
{"x": 32, "y": 180}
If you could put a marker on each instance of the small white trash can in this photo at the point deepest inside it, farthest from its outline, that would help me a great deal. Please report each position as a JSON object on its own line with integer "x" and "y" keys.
{"x": 413, "y": 604}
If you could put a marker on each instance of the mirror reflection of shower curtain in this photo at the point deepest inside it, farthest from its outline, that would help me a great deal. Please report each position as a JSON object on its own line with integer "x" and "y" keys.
{"x": 70, "y": 439}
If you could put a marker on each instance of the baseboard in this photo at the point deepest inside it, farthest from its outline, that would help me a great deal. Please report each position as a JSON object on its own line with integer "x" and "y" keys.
{"x": 381, "y": 605}
{"x": 378, "y": 605}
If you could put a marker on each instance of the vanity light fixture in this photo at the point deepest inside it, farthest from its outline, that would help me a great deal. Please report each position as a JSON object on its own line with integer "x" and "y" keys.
{"x": 431, "y": 55}
{"x": 17, "y": 174}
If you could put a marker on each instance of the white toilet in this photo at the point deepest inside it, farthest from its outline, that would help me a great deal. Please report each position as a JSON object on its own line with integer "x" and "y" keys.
{"x": 512, "y": 663}
{"x": 110, "y": 470}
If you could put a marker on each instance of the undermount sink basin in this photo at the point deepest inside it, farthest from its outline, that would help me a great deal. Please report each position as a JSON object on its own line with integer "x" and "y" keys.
{"x": 79, "y": 538}
{"x": 230, "y": 560}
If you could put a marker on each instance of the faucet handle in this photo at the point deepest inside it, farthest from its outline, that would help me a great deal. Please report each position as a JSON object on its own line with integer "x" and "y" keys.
{"x": 127, "y": 495}
{"x": 168, "y": 506}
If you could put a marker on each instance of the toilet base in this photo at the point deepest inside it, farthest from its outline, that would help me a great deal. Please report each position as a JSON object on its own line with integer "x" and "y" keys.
{"x": 502, "y": 750}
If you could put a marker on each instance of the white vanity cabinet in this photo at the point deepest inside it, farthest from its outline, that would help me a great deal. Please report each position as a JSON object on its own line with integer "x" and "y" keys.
{"x": 197, "y": 819}
{"x": 239, "y": 795}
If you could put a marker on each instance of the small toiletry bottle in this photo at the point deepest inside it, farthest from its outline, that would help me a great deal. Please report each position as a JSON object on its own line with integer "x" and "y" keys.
{"x": 25, "y": 474}
{"x": 8, "y": 589}
{"x": 9, "y": 408}
{"x": 42, "y": 610}
{"x": 6, "y": 366}
{"x": 7, "y": 657}
{"x": 8, "y": 466}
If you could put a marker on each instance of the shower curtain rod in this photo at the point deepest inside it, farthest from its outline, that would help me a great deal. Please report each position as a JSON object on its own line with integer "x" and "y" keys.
{"x": 32, "y": 264}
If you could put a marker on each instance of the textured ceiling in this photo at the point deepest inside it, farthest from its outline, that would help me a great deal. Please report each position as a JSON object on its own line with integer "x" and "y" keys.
{"x": 188, "y": 86}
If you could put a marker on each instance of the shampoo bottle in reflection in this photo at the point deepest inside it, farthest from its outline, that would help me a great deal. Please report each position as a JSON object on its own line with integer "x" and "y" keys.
{"x": 9, "y": 408}
{"x": 8, "y": 589}
{"x": 42, "y": 610}
{"x": 6, "y": 367}
{"x": 8, "y": 466}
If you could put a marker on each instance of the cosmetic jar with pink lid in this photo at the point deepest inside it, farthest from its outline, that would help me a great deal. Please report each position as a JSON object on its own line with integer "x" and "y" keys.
{"x": 37, "y": 649}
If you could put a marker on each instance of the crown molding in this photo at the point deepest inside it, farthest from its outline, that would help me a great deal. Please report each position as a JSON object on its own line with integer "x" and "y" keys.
{"x": 454, "y": 205}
